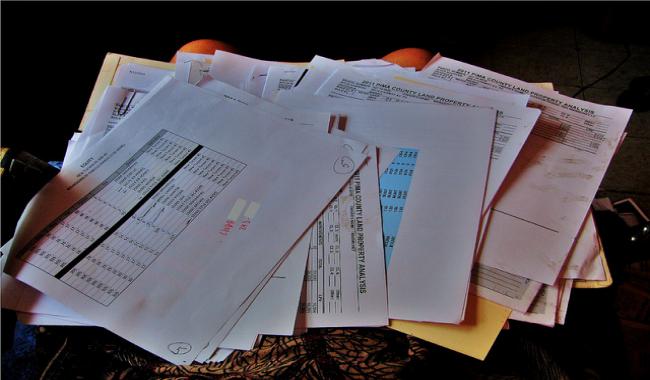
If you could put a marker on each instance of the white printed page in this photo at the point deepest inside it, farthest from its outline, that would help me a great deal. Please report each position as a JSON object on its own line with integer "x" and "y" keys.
{"x": 513, "y": 124}
{"x": 550, "y": 187}
{"x": 280, "y": 77}
{"x": 430, "y": 282}
{"x": 138, "y": 228}
{"x": 345, "y": 282}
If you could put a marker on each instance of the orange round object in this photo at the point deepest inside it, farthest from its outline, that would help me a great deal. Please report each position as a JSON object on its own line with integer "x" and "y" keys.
{"x": 204, "y": 46}
{"x": 409, "y": 57}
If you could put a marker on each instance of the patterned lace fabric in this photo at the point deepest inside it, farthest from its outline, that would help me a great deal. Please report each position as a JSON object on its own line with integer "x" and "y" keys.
{"x": 355, "y": 353}
{"x": 318, "y": 354}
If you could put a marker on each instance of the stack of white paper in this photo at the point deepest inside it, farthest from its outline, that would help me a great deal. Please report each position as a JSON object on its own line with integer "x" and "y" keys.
{"x": 245, "y": 198}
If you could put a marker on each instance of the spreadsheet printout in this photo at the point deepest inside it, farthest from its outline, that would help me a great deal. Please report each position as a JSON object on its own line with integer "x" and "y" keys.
{"x": 145, "y": 226}
{"x": 345, "y": 281}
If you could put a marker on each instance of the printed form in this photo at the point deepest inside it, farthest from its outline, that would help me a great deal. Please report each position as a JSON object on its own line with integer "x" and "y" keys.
{"x": 448, "y": 140}
{"x": 536, "y": 220}
{"x": 512, "y": 127}
{"x": 345, "y": 282}
{"x": 141, "y": 206}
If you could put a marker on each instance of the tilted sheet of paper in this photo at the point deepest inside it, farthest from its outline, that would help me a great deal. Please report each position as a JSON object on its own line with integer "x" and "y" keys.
{"x": 550, "y": 187}
{"x": 429, "y": 283}
{"x": 102, "y": 235}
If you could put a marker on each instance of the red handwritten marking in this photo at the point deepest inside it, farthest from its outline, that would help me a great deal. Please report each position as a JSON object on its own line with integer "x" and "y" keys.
{"x": 230, "y": 224}
{"x": 244, "y": 224}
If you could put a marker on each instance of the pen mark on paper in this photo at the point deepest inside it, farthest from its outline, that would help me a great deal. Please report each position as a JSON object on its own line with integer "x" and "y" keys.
{"x": 525, "y": 220}
{"x": 179, "y": 348}
{"x": 343, "y": 165}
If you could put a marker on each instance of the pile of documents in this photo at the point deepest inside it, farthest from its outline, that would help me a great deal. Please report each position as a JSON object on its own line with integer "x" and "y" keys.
{"x": 224, "y": 198}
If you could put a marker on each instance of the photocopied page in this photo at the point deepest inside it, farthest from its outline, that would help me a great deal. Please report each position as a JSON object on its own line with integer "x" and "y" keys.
{"x": 551, "y": 185}
{"x": 146, "y": 227}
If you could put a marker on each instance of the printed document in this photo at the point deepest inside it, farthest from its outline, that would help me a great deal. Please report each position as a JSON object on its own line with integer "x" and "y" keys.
{"x": 550, "y": 187}
{"x": 512, "y": 127}
{"x": 345, "y": 282}
{"x": 171, "y": 220}
{"x": 426, "y": 282}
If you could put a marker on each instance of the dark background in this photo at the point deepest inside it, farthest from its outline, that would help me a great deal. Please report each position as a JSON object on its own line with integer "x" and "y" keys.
{"x": 52, "y": 52}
